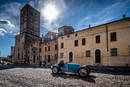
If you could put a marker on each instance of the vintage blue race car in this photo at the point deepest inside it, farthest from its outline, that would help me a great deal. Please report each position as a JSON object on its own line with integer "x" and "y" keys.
{"x": 79, "y": 69}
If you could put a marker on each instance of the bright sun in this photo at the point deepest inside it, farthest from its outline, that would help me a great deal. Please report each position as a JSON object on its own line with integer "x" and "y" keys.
{"x": 50, "y": 12}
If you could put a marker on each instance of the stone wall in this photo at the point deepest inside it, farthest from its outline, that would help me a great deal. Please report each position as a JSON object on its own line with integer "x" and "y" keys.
{"x": 121, "y": 27}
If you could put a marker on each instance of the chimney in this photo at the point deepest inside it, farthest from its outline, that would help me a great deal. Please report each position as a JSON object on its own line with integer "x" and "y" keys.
{"x": 42, "y": 35}
{"x": 42, "y": 38}
{"x": 89, "y": 26}
{"x": 124, "y": 16}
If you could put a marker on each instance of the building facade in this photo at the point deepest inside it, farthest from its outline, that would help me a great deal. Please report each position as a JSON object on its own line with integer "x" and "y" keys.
{"x": 65, "y": 30}
{"x": 49, "y": 52}
{"x": 12, "y": 51}
{"x": 50, "y": 36}
{"x": 106, "y": 44}
{"x": 49, "y": 48}
{"x": 34, "y": 52}
{"x": 29, "y": 32}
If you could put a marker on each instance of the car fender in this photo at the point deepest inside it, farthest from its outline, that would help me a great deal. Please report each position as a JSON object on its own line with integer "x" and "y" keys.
{"x": 87, "y": 67}
{"x": 55, "y": 65}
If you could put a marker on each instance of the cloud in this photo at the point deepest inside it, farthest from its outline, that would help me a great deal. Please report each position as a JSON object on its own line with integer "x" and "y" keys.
{"x": 8, "y": 26}
{"x": 107, "y": 14}
{"x": 2, "y": 31}
{"x": 32, "y": 3}
{"x": 12, "y": 8}
{"x": 51, "y": 25}
{"x": 3, "y": 22}
{"x": 10, "y": 16}
{"x": 6, "y": 22}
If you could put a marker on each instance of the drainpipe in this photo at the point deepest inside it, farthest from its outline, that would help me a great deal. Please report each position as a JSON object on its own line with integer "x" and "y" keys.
{"x": 107, "y": 38}
{"x": 107, "y": 47}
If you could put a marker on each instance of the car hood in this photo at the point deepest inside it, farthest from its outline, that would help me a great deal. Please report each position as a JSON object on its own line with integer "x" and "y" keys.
{"x": 54, "y": 65}
{"x": 76, "y": 64}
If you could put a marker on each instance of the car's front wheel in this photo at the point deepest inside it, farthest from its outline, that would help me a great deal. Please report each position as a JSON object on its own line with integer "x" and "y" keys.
{"x": 83, "y": 72}
{"x": 55, "y": 70}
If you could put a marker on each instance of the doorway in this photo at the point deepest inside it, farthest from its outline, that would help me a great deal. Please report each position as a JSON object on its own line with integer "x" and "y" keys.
{"x": 34, "y": 58}
{"x": 97, "y": 56}
{"x": 70, "y": 57}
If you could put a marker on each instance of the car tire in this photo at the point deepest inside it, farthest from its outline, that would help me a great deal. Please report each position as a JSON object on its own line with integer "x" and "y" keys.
{"x": 83, "y": 72}
{"x": 55, "y": 70}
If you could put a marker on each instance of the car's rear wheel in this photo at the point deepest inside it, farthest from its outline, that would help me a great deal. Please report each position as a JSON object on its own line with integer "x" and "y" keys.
{"x": 83, "y": 72}
{"x": 55, "y": 70}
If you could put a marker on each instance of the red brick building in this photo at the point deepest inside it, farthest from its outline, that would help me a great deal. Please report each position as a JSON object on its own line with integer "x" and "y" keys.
{"x": 49, "y": 48}
{"x": 49, "y": 52}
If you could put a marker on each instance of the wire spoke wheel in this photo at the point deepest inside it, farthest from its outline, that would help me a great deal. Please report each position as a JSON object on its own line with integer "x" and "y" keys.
{"x": 83, "y": 72}
{"x": 55, "y": 70}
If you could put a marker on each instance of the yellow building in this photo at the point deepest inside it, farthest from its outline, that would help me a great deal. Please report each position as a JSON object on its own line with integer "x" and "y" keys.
{"x": 107, "y": 44}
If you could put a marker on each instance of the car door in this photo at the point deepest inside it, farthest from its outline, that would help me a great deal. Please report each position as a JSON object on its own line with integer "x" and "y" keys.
{"x": 64, "y": 68}
{"x": 72, "y": 68}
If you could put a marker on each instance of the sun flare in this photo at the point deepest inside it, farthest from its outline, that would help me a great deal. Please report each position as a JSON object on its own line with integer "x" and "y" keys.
{"x": 50, "y": 12}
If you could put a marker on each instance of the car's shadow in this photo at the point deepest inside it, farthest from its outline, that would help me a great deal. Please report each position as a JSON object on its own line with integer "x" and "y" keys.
{"x": 89, "y": 78}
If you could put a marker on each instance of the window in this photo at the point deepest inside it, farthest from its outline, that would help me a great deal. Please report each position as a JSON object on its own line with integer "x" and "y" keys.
{"x": 56, "y": 47}
{"x": 76, "y": 43}
{"x": 62, "y": 37}
{"x": 48, "y": 48}
{"x": 98, "y": 39}
{"x": 37, "y": 58}
{"x": 49, "y": 58}
{"x": 83, "y": 41}
{"x": 76, "y": 35}
{"x": 34, "y": 52}
{"x": 61, "y": 55}
{"x": 18, "y": 56}
{"x": 40, "y": 57}
{"x": 113, "y": 51}
{"x": 88, "y": 53}
{"x": 40, "y": 49}
{"x": 45, "y": 49}
{"x": 113, "y": 36}
{"x": 68, "y": 36}
{"x": 62, "y": 45}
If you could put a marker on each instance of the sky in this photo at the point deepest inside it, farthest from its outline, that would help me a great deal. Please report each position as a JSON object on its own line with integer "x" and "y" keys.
{"x": 56, "y": 13}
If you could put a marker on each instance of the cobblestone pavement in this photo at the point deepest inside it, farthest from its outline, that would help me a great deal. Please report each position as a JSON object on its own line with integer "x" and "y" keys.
{"x": 42, "y": 77}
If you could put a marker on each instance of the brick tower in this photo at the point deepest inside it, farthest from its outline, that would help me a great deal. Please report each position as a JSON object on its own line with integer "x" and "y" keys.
{"x": 29, "y": 32}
